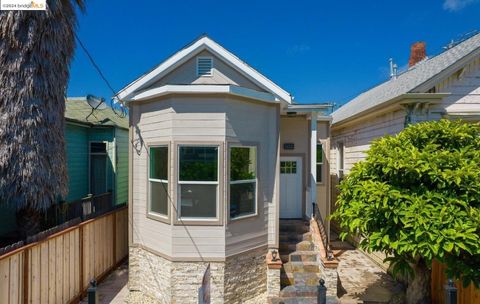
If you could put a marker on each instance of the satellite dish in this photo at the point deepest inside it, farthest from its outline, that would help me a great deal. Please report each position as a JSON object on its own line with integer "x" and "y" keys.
{"x": 96, "y": 103}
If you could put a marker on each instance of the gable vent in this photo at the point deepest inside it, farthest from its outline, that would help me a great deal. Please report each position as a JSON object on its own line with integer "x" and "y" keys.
{"x": 204, "y": 66}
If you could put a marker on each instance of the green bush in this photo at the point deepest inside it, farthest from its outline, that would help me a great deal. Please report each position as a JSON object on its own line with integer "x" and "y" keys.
{"x": 416, "y": 197}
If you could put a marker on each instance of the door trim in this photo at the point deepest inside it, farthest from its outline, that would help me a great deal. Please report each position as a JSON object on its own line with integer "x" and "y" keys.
{"x": 304, "y": 177}
{"x": 302, "y": 156}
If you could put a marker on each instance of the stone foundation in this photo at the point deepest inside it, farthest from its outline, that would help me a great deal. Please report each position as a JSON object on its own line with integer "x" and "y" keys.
{"x": 154, "y": 279}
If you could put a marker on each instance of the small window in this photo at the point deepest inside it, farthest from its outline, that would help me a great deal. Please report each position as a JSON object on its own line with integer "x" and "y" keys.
{"x": 198, "y": 182}
{"x": 158, "y": 180}
{"x": 204, "y": 66}
{"x": 288, "y": 167}
{"x": 340, "y": 160}
{"x": 98, "y": 147}
{"x": 319, "y": 162}
{"x": 243, "y": 181}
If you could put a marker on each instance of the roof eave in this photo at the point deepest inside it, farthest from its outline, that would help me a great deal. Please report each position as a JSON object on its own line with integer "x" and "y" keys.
{"x": 205, "y": 89}
{"x": 402, "y": 99}
{"x": 185, "y": 54}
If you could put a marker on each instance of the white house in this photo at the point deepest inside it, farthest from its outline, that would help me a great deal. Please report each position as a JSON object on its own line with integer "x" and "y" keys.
{"x": 443, "y": 86}
{"x": 219, "y": 155}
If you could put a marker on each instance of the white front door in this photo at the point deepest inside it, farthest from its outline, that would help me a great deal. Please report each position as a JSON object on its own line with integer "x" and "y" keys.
{"x": 291, "y": 187}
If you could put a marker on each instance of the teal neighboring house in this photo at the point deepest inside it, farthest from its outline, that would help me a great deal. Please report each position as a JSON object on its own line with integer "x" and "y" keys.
{"x": 97, "y": 151}
{"x": 97, "y": 156}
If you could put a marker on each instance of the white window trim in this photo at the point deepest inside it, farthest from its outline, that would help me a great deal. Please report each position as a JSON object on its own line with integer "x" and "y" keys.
{"x": 156, "y": 180}
{"x": 179, "y": 183}
{"x": 245, "y": 181}
{"x": 321, "y": 144}
{"x": 340, "y": 158}
{"x": 90, "y": 164}
{"x": 211, "y": 70}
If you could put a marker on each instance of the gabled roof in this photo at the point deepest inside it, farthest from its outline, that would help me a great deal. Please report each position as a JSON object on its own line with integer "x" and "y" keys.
{"x": 77, "y": 109}
{"x": 418, "y": 79}
{"x": 203, "y": 43}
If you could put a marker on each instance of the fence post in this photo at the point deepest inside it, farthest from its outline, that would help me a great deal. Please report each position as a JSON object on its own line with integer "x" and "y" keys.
{"x": 80, "y": 254}
{"x": 114, "y": 238}
{"x": 25, "y": 275}
{"x": 450, "y": 293}
{"x": 322, "y": 292}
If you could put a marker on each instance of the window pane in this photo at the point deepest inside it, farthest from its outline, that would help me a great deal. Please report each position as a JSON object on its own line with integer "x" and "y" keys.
{"x": 319, "y": 153}
{"x": 98, "y": 147}
{"x": 198, "y": 163}
{"x": 319, "y": 173}
{"x": 243, "y": 162}
{"x": 159, "y": 163}
{"x": 242, "y": 199}
{"x": 198, "y": 201}
{"x": 159, "y": 197}
{"x": 98, "y": 174}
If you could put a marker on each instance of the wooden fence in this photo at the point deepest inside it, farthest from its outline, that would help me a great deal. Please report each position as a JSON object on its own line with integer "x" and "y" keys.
{"x": 469, "y": 295}
{"x": 59, "y": 268}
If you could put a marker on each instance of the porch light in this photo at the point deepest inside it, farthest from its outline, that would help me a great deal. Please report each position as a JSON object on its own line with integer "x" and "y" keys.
{"x": 274, "y": 255}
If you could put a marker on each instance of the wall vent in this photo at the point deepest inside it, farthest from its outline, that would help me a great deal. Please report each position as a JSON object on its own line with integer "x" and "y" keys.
{"x": 204, "y": 66}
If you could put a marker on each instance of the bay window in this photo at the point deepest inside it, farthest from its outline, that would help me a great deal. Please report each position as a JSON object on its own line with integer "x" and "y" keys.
{"x": 243, "y": 181}
{"x": 158, "y": 180}
{"x": 198, "y": 182}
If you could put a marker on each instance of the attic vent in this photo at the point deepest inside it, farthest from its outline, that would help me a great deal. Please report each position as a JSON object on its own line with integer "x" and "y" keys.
{"x": 204, "y": 66}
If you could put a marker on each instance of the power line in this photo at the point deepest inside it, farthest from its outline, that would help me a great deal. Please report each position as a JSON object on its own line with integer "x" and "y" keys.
{"x": 97, "y": 68}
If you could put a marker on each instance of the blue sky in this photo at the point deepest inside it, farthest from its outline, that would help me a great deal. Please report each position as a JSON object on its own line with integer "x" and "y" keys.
{"x": 319, "y": 51}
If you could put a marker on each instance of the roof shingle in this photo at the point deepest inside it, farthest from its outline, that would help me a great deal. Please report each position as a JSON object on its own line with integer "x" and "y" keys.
{"x": 408, "y": 81}
{"x": 77, "y": 109}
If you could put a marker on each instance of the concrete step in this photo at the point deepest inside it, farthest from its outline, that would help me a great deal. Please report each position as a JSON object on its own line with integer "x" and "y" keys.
{"x": 303, "y": 256}
{"x": 299, "y": 291}
{"x": 299, "y": 278}
{"x": 294, "y": 226}
{"x": 293, "y": 237}
{"x": 301, "y": 267}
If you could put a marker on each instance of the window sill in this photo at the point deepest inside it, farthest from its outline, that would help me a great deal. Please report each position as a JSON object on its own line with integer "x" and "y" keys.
{"x": 198, "y": 222}
{"x": 243, "y": 217}
{"x": 158, "y": 217}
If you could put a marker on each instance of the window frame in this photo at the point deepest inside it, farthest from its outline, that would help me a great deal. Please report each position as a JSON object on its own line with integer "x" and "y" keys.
{"x": 198, "y": 70}
{"x": 322, "y": 163}
{"x": 152, "y": 214}
{"x": 213, "y": 221}
{"x": 90, "y": 164}
{"x": 229, "y": 182}
{"x": 340, "y": 159}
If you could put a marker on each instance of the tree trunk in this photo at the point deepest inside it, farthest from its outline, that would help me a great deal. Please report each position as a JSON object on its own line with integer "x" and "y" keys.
{"x": 29, "y": 222}
{"x": 419, "y": 288}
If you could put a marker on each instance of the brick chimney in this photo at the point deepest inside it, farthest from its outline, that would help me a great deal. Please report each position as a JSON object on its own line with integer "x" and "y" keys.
{"x": 418, "y": 52}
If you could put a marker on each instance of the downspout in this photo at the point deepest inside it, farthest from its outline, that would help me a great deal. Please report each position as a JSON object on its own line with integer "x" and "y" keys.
{"x": 313, "y": 160}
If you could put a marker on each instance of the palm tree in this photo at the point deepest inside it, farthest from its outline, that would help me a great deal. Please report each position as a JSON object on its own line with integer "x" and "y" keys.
{"x": 36, "y": 48}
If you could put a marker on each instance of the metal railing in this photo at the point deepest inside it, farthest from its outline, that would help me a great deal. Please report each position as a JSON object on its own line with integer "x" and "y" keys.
{"x": 323, "y": 231}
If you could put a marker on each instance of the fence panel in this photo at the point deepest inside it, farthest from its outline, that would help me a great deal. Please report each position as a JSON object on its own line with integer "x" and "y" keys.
{"x": 468, "y": 295}
{"x": 59, "y": 268}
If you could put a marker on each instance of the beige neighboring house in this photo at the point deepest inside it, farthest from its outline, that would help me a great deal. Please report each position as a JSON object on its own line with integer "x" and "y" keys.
{"x": 219, "y": 155}
{"x": 443, "y": 86}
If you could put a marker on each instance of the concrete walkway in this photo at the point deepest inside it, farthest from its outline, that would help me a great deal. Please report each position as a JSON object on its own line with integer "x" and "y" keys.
{"x": 360, "y": 280}
{"x": 114, "y": 288}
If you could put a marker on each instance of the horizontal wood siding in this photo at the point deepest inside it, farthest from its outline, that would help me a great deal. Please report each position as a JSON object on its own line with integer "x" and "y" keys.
{"x": 253, "y": 123}
{"x": 464, "y": 89}
{"x": 121, "y": 141}
{"x": 209, "y": 119}
{"x": 76, "y": 140}
{"x": 222, "y": 74}
{"x": 59, "y": 268}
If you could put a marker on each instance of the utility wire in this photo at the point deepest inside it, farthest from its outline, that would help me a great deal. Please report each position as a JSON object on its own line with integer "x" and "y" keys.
{"x": 97, "y": 68}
